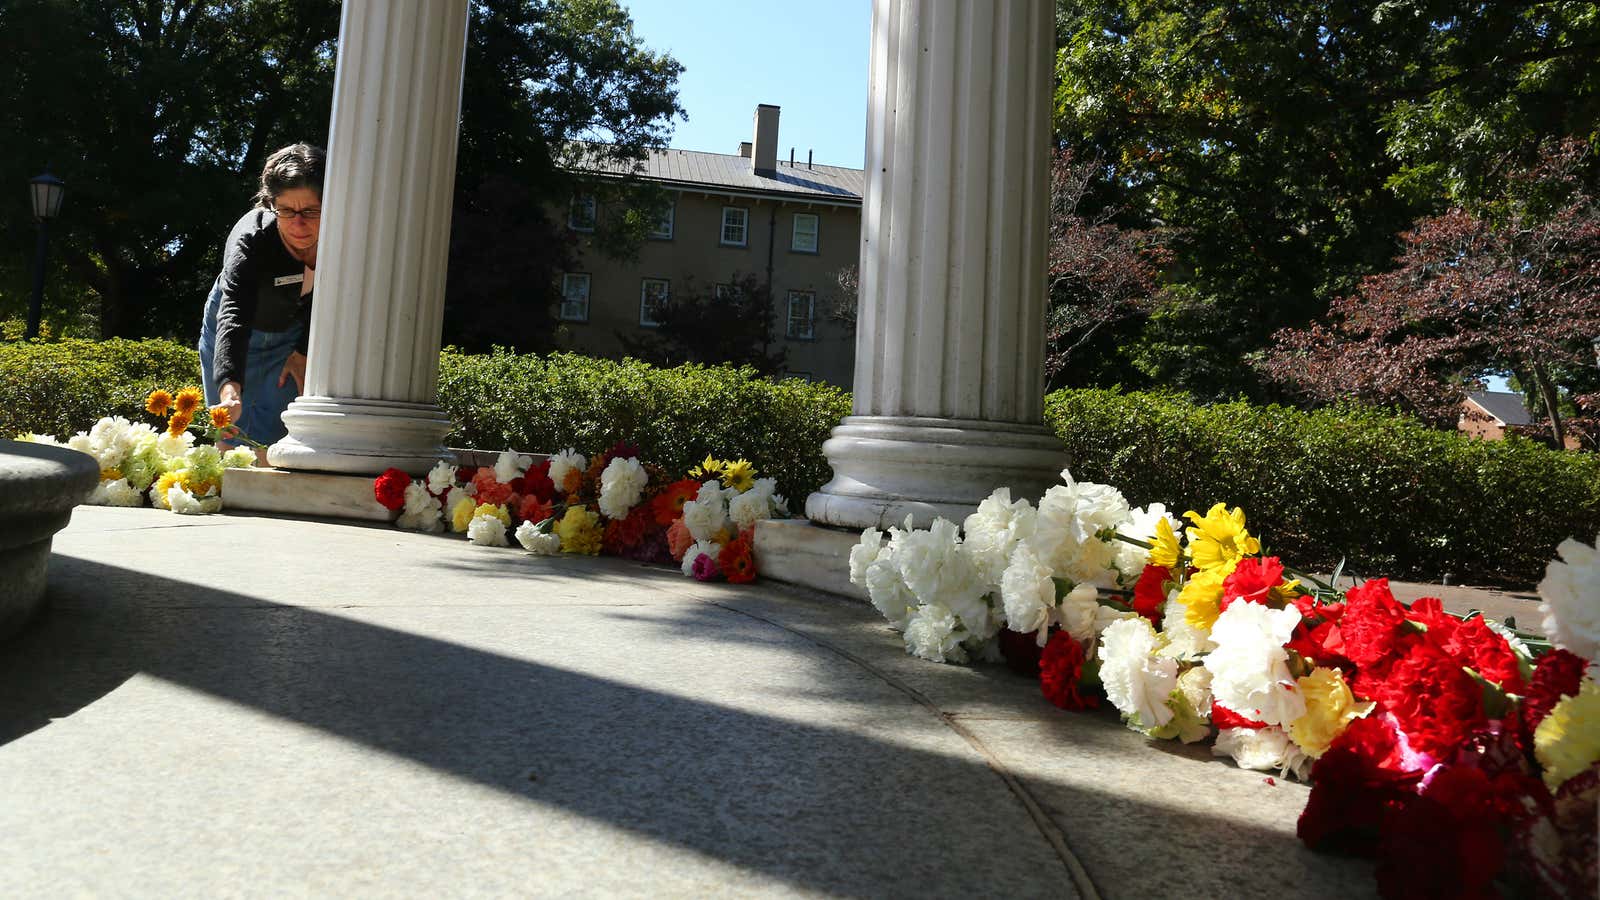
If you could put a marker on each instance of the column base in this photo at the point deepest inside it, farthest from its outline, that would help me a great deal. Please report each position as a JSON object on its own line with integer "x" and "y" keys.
{"x": 361, "y": 437}
{"x": 886, "y": 467}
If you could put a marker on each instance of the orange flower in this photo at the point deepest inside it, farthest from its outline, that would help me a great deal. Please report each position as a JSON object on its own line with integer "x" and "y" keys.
{"x": 189, "y": 400}
{"x": 179, "y": 423}
{"x": 158, "y": 403}
{"x": 736, "y": 562}
{"x": 679, "y": 540}
{"x": 668, "y": 504}
{"x": 220, "y": 417}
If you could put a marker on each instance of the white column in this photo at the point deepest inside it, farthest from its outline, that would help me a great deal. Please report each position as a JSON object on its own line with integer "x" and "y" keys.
{"x": 372, "y": 371}
{"x": 949, "y": 379}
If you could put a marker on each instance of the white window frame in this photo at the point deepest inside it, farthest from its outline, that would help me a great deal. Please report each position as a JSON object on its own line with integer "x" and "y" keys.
{"x": 586, "y": 201}
{"x": 668, "y": 219}
{"x": 644, "y": 299}
{"x": 569, "y": 279}
{"x": 810, "y": 298}
{"x": 721, "y": 291}
{"x": 795, "y": 234}
{"x": 744, "y": 227}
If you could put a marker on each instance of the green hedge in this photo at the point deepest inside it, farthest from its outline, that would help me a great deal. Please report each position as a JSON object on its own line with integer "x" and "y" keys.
{"x": 677, "y": 416}
{"x": 1395, "y": 497}
{"x": 65, "y": 387}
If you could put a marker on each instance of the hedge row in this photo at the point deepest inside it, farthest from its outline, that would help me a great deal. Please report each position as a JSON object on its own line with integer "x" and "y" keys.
{"x": 1393, "y": 496}
{"x": 1389, "y": 494}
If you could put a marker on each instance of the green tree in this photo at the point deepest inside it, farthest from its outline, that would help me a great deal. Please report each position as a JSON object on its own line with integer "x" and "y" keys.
{"x": 734, "y": 323}
{"x": 1283, "y": 144}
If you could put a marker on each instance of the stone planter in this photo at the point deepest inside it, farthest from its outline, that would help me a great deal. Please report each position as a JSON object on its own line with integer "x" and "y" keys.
{"x": 39, "y": 486}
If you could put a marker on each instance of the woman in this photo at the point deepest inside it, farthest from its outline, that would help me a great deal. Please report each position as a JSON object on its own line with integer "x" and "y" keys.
{"x": 257, "y": 318}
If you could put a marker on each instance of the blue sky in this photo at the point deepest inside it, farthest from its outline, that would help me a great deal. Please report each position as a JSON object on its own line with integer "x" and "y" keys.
{"x": 808, "y": 58}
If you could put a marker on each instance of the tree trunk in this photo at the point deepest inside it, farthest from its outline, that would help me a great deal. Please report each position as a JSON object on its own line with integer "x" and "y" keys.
{"x": 1552, "y": 408}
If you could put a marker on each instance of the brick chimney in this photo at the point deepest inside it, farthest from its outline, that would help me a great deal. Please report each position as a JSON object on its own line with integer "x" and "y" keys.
{"x": 744, "y": 149}
{"x": 764, "y": 161}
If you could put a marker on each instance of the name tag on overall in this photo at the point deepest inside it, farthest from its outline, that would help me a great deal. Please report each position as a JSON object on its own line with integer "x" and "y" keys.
{"x": 282, "y": 280}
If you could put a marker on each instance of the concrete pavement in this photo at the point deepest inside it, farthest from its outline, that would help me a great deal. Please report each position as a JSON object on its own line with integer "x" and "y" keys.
{"x": 244, "y": 706}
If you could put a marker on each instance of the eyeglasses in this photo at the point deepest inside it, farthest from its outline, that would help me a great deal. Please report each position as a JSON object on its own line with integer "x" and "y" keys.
{"x": 310, "y": 214}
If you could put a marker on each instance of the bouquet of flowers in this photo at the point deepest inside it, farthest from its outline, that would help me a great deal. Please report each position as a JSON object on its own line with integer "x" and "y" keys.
{"x": 167, "y": 466}
{"x": 614, "y": 504}
{"x": 1457, "y": 737}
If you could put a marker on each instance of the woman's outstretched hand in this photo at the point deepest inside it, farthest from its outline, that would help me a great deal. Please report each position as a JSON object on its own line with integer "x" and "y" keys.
{"x": 228, "y": 396}
{"x": 294, "y": 368}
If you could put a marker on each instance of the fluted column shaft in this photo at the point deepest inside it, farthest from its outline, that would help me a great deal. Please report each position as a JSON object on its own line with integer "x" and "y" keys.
{"x": 949, "y": 379}
{"x": 372, "y": 369}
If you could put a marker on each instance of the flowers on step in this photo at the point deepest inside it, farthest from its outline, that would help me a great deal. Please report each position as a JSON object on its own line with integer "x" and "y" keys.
{"x": 622, "y": 486}
{"x": 580, "y": 531}
{"x": 1570, "y": 598}
{"x": 488, "y": 525}
{"x": 390, "y": 488}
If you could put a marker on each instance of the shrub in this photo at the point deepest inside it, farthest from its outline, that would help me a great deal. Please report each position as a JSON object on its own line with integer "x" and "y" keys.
{"x": 1392, "y": 495}
{"x": 65, "y": 387}
{"x": 677, "y": 416}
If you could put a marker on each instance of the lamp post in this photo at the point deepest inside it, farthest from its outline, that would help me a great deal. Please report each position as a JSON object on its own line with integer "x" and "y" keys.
{"x": 47, "y": 191}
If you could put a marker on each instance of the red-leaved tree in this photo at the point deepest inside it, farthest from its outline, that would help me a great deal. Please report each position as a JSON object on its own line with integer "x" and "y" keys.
{"x": 1510, "y": 289}
{"x": 1100, "y": 273}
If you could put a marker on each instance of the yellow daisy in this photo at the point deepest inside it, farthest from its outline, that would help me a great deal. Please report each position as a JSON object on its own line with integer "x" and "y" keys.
{"x": 739, "y": 475}
{"x": 158, "y": 403}
{"x": 1164, "y": 546}
{"x": 188, "y": 400}
{"x": 1219, "y": 538}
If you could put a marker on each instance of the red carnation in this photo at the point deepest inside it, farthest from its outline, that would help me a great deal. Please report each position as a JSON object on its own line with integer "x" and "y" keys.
{"x": 736, "y": 561}
{"x": 534, "y": 510}
{"x": 1061, "y": 671}
{"x": 1474, "y": 644}
{"x": 668, "y": 505}
{"x": 1223, "y": 717}
{"x": 623, "y": 536}
{"x": 1252, "y": 578}
{"x": 1323, "y": 644}
{"x": 1435, "y": 700}
{"x": 390, "y": 488}
{"x": 1558, "y": 675}
{"x": 1455, "y": 826}
{"x": 1150, "y": 593}
{"x": 1022, "y": 651}
{"x": 1373, "y": 623}
{"x": 1362, "y": 776}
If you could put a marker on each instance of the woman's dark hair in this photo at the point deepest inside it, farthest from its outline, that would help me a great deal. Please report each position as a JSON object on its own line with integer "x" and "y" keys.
{"x": 295, "y": 166}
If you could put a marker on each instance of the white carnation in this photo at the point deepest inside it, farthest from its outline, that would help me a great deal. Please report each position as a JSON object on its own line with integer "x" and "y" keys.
{"x": 118, "y": 492}
{"x": 621, "y": 487}
{"x": 564, "y": 463}
{"x": 184, "y": 503}
{"x": 1028, "y": 594}
{"x": 177, "y": 447}
{"x": 1136, "y": 680}
{"x": 441, "y": 477}
{"x": 1141, "y": 525}
{"x": 707, "y": 514}
{"x": 937, "y": 572}
{"x": 864, "y": 554}
{"x": 510, "y": 465}
{"x": 80, "y": 443}
{"x": 994, "y": 531}
{"x": 1195, "y": 686}
{"x": 749, "y": 507}
{"x": 1250, "y": 667}
{"x": 1184, "y": 641}
{"x": 1067, "y": 527}
{"x": 422, "y": 511}
{"x": 933, "y": 633}
{"x": 537, "y": 542}
{"x": 1264, "y": 750}
{"x": 885, "y": 587}
{"x": 29, "y": 437}
{"x": 487, "y": 530}
{"x": 1079, "y": 612}
{"x": 239, "y": 458}
{"x": 1570, "y": 599}
{"x": 700, "y": 548}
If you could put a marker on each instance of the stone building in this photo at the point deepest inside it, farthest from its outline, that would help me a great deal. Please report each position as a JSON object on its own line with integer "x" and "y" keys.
{"x": 790, "y": 223}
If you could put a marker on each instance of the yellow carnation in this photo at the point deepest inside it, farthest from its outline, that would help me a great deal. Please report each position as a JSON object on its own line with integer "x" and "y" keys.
{"x": 111, "y": 474}
{"x": 1330, "y": 708}
{"x": 1164, "y": 548}
{"x": 579, "y": 531}
{"x": 1567, "y": 742}
{"x": 491, "y": 509}
{"x": 462, "y": 509}
{"x": 1202, "y": 597}
{"x": 1219, "y": 538}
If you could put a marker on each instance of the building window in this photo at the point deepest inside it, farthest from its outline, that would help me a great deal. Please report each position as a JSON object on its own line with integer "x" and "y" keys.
{"x": 580, "y": 215}
{"x": 735, "y": 226}
{"x": 802, "y": 315}
{"x": 805, "y": 233}
{"x": 663, "y": 227}
{"x": 653, "y": 294}
{"x": 575, "y": 297}
{"x": 721, "y": 291}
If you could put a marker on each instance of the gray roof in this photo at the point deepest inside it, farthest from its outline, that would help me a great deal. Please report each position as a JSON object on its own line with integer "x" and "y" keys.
{"x": 692, "y": 169}
{"x": 1505, "y": 406}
